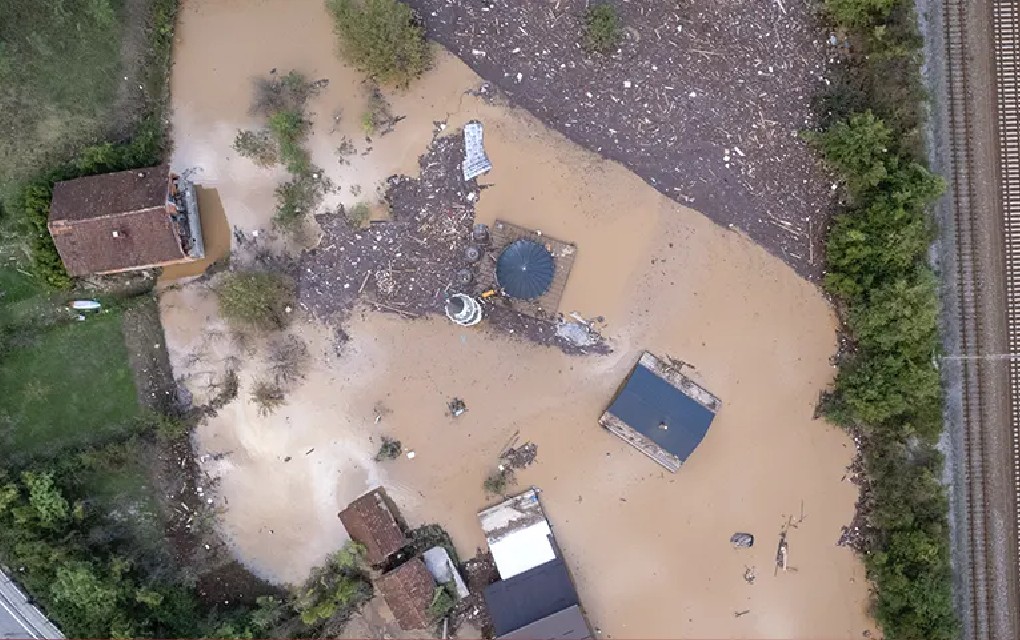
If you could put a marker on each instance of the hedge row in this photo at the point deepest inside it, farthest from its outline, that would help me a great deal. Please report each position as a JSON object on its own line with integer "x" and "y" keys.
{"x": 887, "y": 389}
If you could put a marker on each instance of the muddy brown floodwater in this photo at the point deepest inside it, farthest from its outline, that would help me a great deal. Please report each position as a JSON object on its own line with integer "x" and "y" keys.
{"x": 649, "y": 550}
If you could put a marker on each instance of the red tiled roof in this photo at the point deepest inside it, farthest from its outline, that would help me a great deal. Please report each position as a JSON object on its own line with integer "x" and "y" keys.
{"x": 370, "y": 522}
{"x": 408, "y": 591}
{"x": 114, "y": 221}
{"x": 110, "y": 194}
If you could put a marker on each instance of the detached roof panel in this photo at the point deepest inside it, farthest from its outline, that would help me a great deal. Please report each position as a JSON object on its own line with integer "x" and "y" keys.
{"x": 530, "y": 596}
{"x": 647, "y": 401}
{"x": 568, "y": 624}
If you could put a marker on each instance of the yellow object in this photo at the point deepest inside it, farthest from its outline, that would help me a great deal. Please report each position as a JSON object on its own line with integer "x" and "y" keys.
{"x": 489, "y": 293}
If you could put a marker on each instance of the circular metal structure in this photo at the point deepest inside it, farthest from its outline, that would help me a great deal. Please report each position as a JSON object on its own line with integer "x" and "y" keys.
{"x": 472, "y": 253}
{"x": 463, "y": 310}
{"x": 525, "y": 270}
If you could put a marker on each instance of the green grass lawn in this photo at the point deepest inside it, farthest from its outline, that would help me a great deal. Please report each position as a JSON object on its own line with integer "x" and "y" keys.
{"x": 63, "y": 383}
{"x": 60, "y": 69}
{"x": 70, "y": 385}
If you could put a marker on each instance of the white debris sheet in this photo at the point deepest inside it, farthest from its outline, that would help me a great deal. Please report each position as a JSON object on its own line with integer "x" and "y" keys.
{"x": 475, "y": 161}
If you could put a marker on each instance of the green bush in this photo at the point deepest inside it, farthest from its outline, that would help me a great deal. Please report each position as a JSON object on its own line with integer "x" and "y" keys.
{"x": 601, "y": 29}
{"x": 859, "y": 13}
{"x": 255, "y": 299}
{"x": 257, "y": 146}
{"x": 442, "y": 602}
{"x": 496, "y": 483}
{"x": 296, "y": 198}
{"x": 358, "y": 214}
{"x": 289, "y": 128}
{"x": 383, "y": 38}
{"x": 335, "y": 590}
{"x": 390, "y": 449}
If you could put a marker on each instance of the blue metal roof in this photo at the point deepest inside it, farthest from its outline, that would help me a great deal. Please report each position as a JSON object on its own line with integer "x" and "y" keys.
{"x": 530, "y": 596}
{"x": 648, "y": 401}
{"x": 525, "y": 270}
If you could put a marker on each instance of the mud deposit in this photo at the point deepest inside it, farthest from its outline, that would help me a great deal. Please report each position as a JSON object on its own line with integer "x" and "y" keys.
{"x": 703, "y": 99}
{"x": 649, "y": 550}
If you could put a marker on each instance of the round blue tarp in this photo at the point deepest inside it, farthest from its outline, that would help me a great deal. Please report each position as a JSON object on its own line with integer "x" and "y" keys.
{"x": 525, "y": 270}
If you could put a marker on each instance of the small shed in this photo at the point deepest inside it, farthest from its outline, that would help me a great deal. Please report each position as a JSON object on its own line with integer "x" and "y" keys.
{"x": 408, "y": 591}
{"x": 127, "y": 220}
{"x": 661, "y": 412}
{"x": 370, "y": 522}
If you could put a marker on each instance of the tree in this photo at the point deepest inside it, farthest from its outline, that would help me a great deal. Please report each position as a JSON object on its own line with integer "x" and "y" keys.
{"x": 858, "y": 148}
{"x": 383, "y": 38}
{"x": 899, "y": 317}
{"x": 338, "y": 588}
{"x": 87, "y": 599}
{"x": 46, "y": 505}
{"x": 255, "y": 299}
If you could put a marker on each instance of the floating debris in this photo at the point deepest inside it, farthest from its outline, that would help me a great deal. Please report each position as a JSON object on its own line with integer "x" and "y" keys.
{"x": 456, "y": 407}
{"x": 476, "y": 162}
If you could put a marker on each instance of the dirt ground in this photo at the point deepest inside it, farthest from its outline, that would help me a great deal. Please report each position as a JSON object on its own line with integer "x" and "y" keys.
{"x": 705, "y": 100}
{"x": 649, "y": 550}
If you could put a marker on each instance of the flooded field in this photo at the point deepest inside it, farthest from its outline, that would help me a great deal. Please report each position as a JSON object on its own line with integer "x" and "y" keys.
{"x": 649, "y": 550}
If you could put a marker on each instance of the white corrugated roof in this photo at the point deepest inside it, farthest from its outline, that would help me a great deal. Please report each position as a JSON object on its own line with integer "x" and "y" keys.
{"x": 522, "y": 550}
{"x": 518, "y": 534}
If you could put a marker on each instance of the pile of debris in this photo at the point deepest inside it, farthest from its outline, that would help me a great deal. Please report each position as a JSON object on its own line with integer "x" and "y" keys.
{"x": 406, "y": 264}
{"x": 520, "y": 457}
{"x": 411, "y": 263}
{"x": 479, "y": 572}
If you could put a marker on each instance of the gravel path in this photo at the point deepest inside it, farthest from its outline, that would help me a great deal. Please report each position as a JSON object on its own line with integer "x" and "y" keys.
{"x": 704, "y": 99}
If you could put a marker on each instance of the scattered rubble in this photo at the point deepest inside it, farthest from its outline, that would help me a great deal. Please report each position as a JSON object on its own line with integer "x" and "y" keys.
{"x": 705, "y": 100}
{"x": 411, "y": 263}
{"x": 520, "y": 457}
{"x": 456, "y": 407}
{"x": 742, "y": 540}
{"x": 479, "y": 572}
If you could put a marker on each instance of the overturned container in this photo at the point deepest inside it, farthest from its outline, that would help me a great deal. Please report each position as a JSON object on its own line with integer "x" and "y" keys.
{"x": 463, "y": 309}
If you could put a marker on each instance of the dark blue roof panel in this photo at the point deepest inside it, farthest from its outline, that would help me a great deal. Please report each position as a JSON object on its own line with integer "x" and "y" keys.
{"x": 530, "y": 596}
{"x": 647, "y": 401}
{"x": 525, "y": 270}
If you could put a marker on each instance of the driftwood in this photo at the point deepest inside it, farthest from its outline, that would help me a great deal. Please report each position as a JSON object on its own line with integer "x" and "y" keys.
{"x": 783, "y": 550}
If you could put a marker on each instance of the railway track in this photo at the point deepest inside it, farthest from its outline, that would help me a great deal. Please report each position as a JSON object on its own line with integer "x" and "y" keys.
{"x": 982, "y": 574}
{"x": 966, "y": 216}
{"x": 1006, "y": 27}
